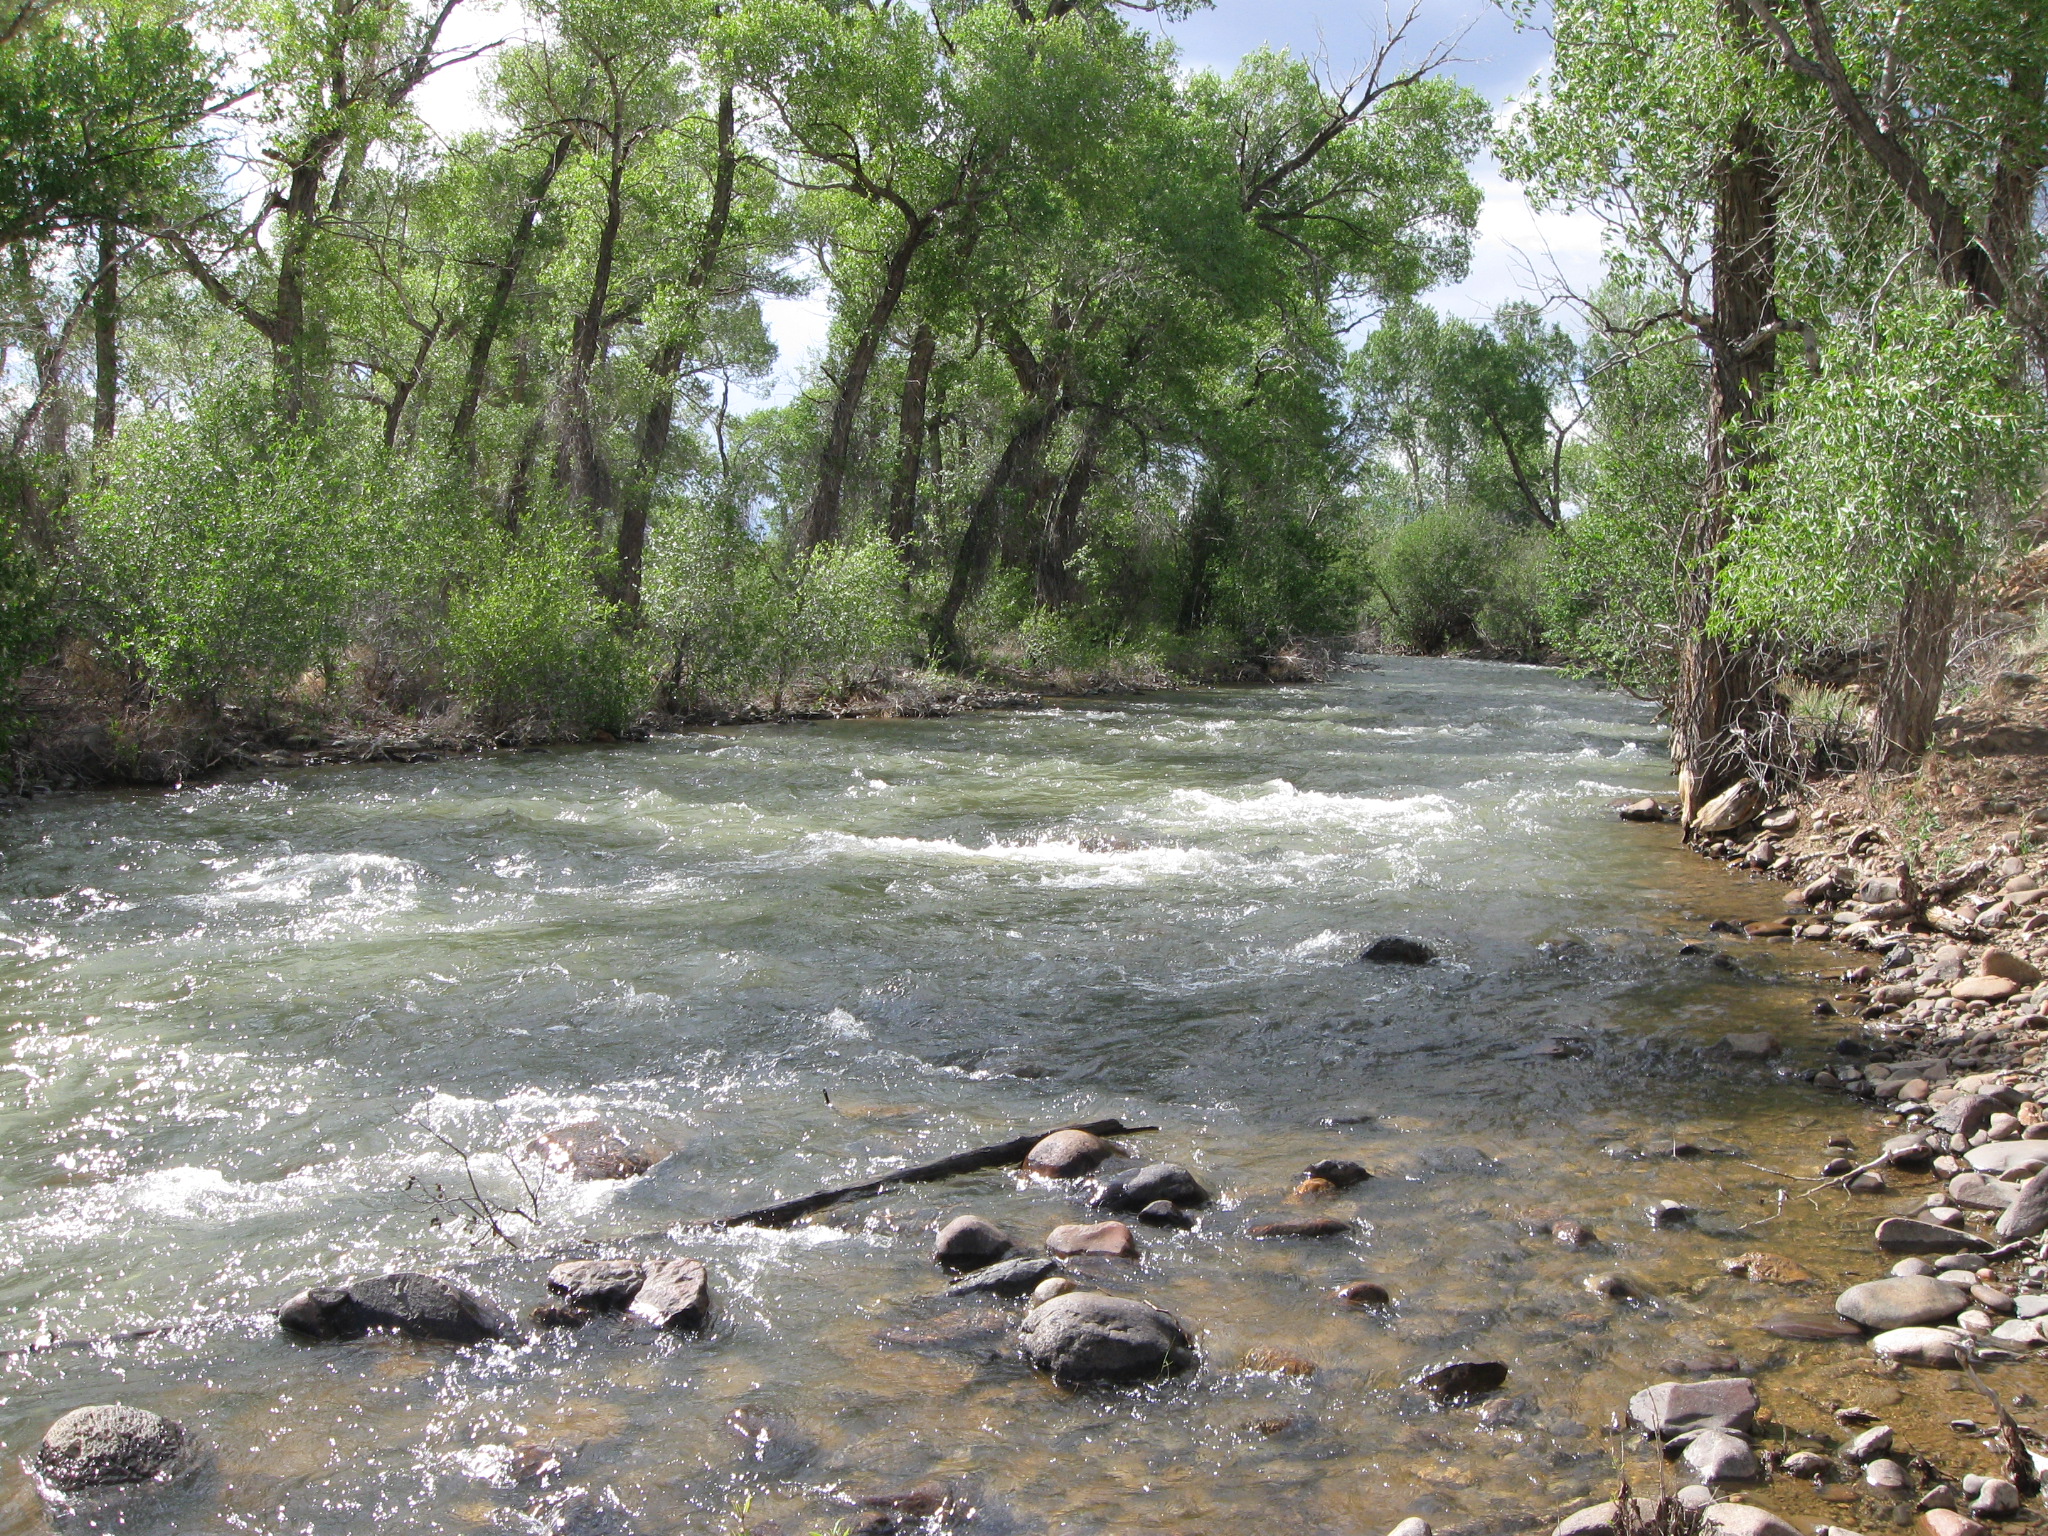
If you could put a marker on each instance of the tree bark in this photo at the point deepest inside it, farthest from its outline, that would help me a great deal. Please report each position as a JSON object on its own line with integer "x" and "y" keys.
{"x": 822, "y": 519}
{"x": 461, "y": 436}
{"x": 106, "y": 340}
{"x": 1724, "y": 691}
{"x": 1057, "y": 585}
{"x": 910, "y": 435}
{"x": 584, "y": 473}
{"x": 1018, "y": 465}
{"x": 657, "y": 424}
{"x": 1909, "y": 693}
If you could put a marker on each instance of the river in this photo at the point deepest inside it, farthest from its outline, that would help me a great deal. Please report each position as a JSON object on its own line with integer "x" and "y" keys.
{"x": 242, "y": 1018}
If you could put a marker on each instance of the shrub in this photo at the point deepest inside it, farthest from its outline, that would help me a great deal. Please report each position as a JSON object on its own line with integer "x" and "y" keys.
{"x": 1434, "y": 574}
{"x": 534, "y": 649}
{"x": 221, "y": 556}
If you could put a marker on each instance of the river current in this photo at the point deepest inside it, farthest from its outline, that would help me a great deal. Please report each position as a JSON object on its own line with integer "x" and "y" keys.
{"x": 250, "y": 1026}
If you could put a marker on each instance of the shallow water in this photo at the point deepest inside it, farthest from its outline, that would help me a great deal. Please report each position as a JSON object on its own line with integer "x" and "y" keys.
{"x": 242, "y": 1018}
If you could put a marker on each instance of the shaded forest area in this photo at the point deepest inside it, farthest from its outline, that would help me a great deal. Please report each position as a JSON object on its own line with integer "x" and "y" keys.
{"x": 316, "y": 423}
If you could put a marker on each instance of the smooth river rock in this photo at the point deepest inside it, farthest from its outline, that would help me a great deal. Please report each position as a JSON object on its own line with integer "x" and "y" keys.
{"x": 968, "y": 1242}
{"x": 1920, "y": 1346}
{"x": 1106, "y": 1239}
{"x": 1340, "y": 1171}
{"x": 1010, "y": 1277}
{"x": 1902, "y": 1234}
{"x": 1810, "y": 1325}
{"x": 1085, "y": 1336}
{"x": 1598, "y": 1519}
{"x": 1901, "y": 1301}
{"x": 1299, "y": 1226}
{"x": 418, "y": 1306}
{"x": 108, "y": 1445}
{"x": 1720, "y": 1456}
{"x": 1744, "y": 1520}
{"x": 1067, "y": 1154}
{"x": 1138, "y": 1188}
{"x": 2027, "y": 1216}
{"x": 1672, "y": 1407}
{"x": 1981, "y": 1192}
{"x": 1456, "y": 1380}
{"x": 2002, "y": 1156}
{"x": 675, "y": 1294}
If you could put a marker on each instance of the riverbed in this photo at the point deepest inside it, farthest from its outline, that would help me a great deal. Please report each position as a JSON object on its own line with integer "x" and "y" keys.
{"x": 250, "y": 1027}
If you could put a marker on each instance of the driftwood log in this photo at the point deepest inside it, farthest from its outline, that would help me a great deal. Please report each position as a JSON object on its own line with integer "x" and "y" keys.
{"x": 999, "y": 1155}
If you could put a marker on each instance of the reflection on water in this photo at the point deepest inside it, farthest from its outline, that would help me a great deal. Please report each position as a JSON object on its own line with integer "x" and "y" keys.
{"x": 242, "y": 1018}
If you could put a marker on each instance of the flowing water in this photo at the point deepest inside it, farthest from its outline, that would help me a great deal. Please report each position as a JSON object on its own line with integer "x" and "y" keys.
{"x": 242, "y": 1019}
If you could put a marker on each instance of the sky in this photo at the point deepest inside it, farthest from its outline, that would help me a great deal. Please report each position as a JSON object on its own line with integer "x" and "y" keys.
{"x": 1518, "y": 253}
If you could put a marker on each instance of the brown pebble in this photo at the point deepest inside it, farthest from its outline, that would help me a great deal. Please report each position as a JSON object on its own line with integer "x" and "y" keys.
{"x": 557, "y": 1314}
{"x": 1309, "y": 1189}
{"x": 1109, "y": 1239}
{"x": 1572, "y": 1234}
{"x": 1263, "y": 1357}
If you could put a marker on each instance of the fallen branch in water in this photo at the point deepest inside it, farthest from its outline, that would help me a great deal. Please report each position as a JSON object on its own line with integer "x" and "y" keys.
{"x": 1014, "y": 1150}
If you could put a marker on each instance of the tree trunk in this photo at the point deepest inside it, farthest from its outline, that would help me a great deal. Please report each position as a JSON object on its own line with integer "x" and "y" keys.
{"x": 461, "y": 436}
{"x": 910, "y": 434}
{"x": 1017, "y": 466}
{"x": 1724, "y": 694}
{"x": 823, "y": 517}
{"x": 106, "y": 340}
{"x": 658, "y": 422}
{"x": 584, "y": 473}
{"x": 1057, "y": 586}
{"x": 1909, "y": 693}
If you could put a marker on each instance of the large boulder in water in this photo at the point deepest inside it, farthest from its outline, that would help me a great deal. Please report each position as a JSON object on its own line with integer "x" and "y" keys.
{"x": 1901, "y": 1301}
{"x": 1068, "y": 1154}
{"x": 1392, "y": 949}
{"x": 1138, "y": 1188}
{"x": 1085, "y": 1336}
{"x": 598, "y": 1284}
{"x": 109, "y": 1445}
{"x": 418, "y": 1306}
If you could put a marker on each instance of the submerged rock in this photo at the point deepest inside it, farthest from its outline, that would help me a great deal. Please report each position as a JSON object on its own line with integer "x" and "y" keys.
{"x": 590, "y": 1149}
{"x": 1299, "y": 1226}
{"x": 1457, "y": 1380}
{"x": 1921, "y": 1346}
{"x": 1364, "y": 1293}
{"x": 1810, "y": 1325}
{"x": 1085, "y": 1336}
{"x": 1599, "y": 1519}
{"x": 1164, "y": 1213}
{"x": 109, "y": 1445}
{"x": 418, "y": 1306}
{"x": 1340, "y": 1171}
{"x": 1390, "y": 949}
{"x": 1010, "y": 1277}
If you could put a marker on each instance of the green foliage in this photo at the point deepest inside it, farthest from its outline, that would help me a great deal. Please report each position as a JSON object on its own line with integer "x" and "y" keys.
{"x": 28, "y": 626}
{"x": 740, "y": 617}
{"x": 1434, "y": 575}
{"x": 534, "y": 649}
{"x": 1883, "y": 471}
{"x": 224, "y": 554}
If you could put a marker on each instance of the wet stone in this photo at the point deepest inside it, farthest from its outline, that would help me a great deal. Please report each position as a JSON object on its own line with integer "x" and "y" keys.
{"x": 1106, "y": 1239}
{"x": 1393, "y": 950}
{"x": 1719, "y": 1456}
{"x": 1138, "y": 1188}
{"x": 1458, "y": 1380}
{"x": 1339, "y": 1171}
{"x": 1364, "y": 1293}
{"x": 1671, "y": 1408}
{"x": 418, "y": 1306}
{"x": 1069, "y": 1154}
{"x": 598, "y": 1284}
{"x": 1164, "y": 1213}
{"x": 1322, "y": 1226}
{"x": 108, "y": 1445}
{"x": 1085, "y": 1336}
{"x": 1902, "y": 1234}
{"x": 1901, "y": 1301}
{"x": 1008, "y": 1277}
{"x": 675, "y": 1294}
{"x": 968, "y": 1242}
{"x": 590, "y": 1149}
